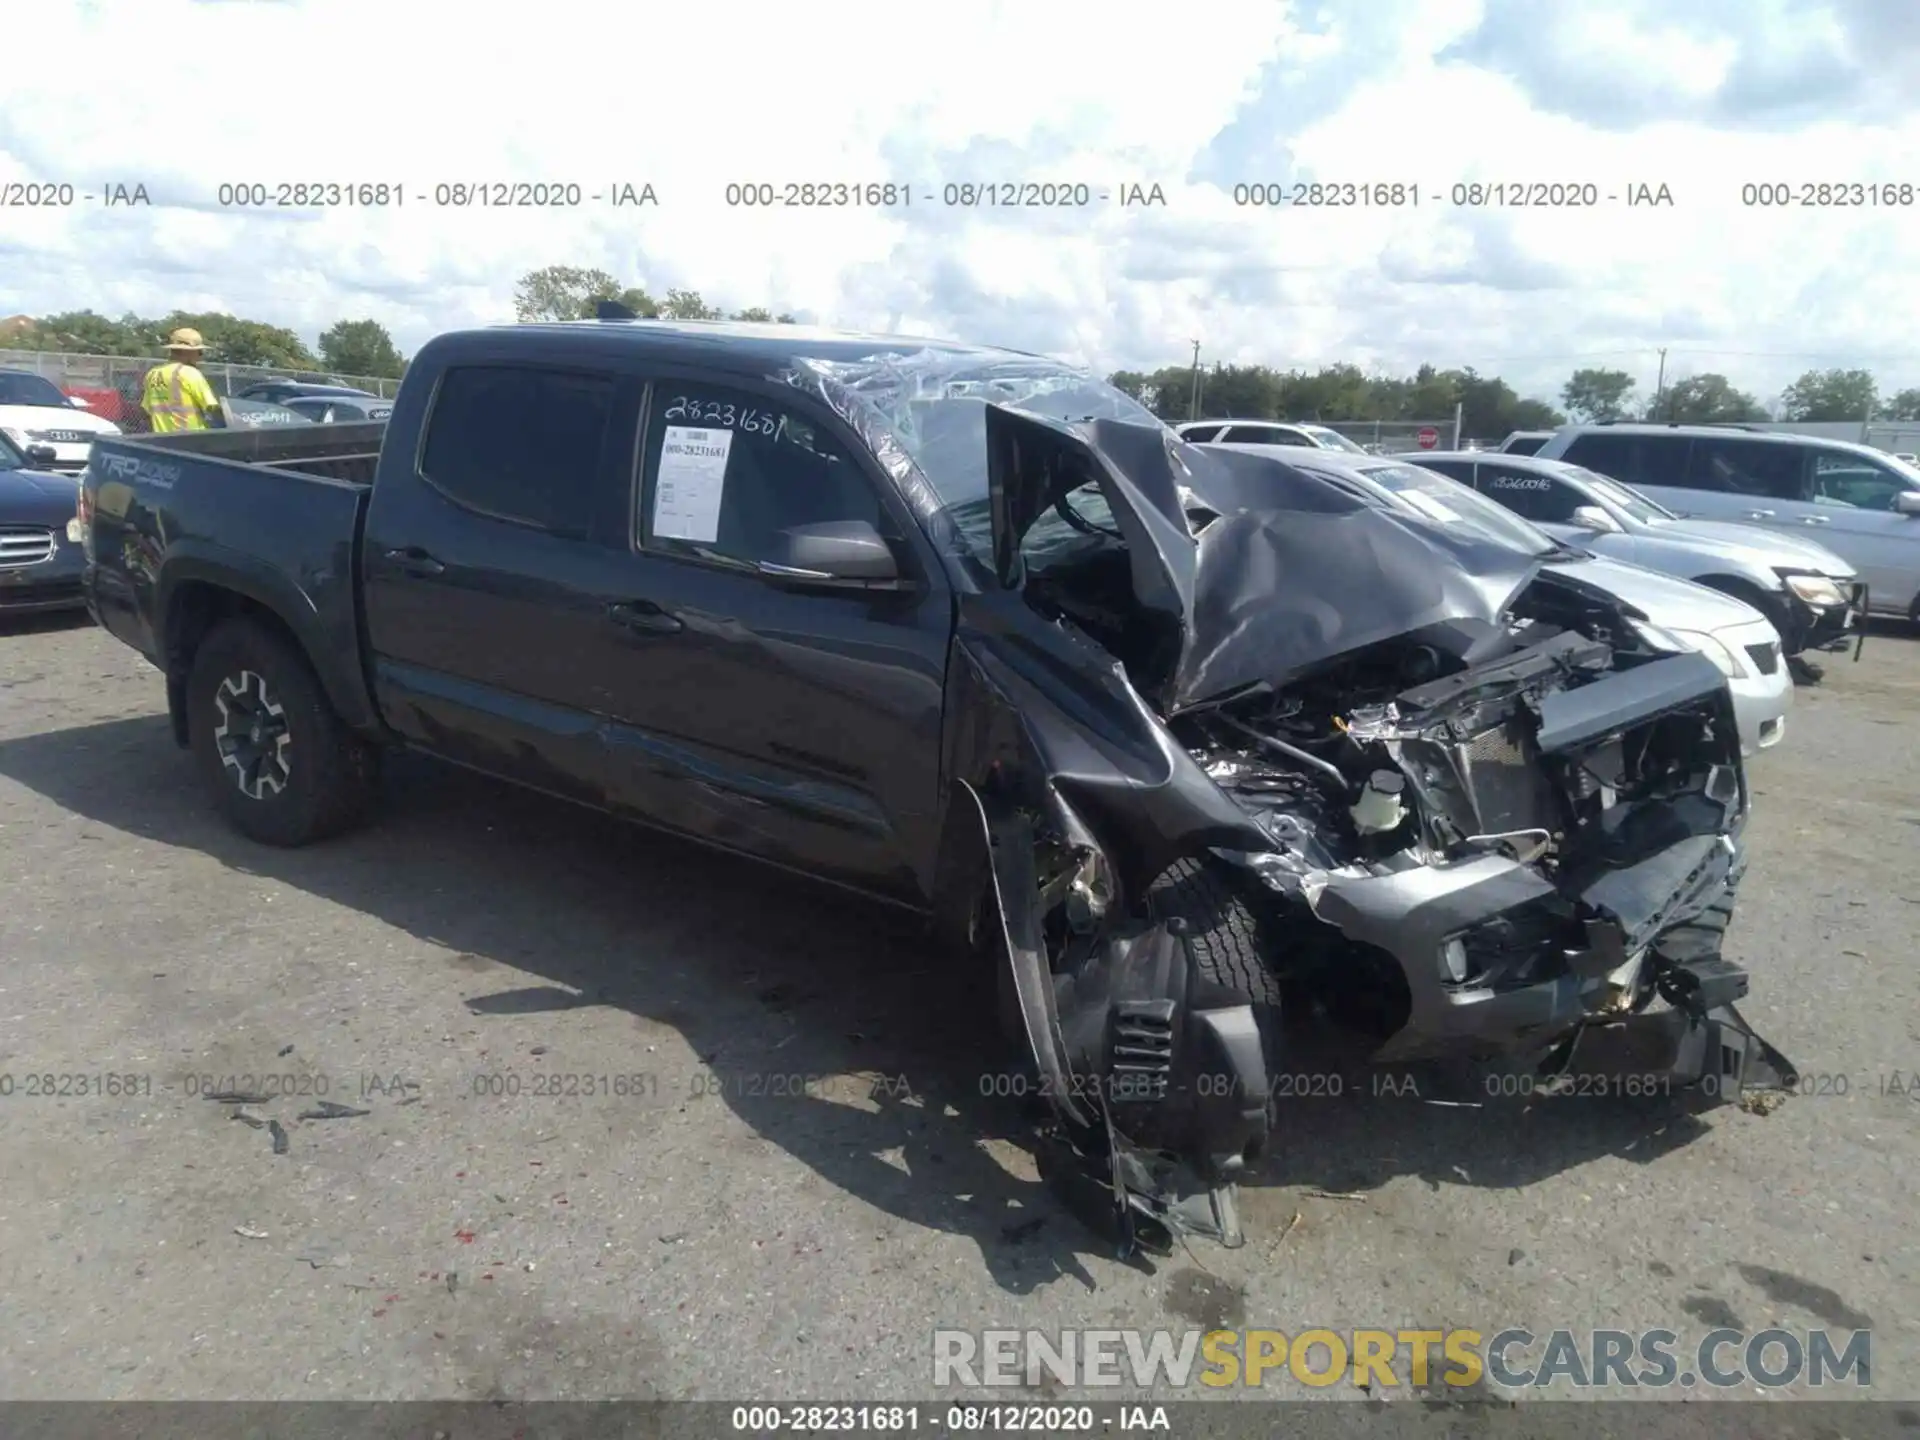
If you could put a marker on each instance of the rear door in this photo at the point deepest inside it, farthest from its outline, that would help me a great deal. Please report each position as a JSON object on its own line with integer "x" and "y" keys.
{"x": 488, "y": 564}
{"x": 1755, "y": 482}
{"x": 1852, "y": 514}
{"x": 801, "y": 725}
{"x": 1656, "y": 464}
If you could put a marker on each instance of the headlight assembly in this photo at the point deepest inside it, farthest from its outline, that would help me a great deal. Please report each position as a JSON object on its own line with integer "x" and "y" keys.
{"x": 1723, "y": 658}
{"x": 1815, "y": 589}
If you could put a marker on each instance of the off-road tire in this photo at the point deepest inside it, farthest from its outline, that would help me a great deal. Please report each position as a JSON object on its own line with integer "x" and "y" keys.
{"x": 1221, "y": 931}
{"x": 323, "y": 778}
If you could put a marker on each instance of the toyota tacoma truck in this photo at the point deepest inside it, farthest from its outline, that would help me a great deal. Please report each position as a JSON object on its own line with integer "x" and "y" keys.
{"x": 972, "y": 632}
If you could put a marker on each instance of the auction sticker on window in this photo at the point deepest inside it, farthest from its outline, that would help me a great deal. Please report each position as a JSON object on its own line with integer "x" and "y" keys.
{"x": 692, "y": 478}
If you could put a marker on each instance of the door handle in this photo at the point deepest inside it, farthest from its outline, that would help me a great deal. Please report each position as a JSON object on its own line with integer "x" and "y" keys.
{"x": 645, "y": 616}
{"x": 1814, "y": 520}
{"x": 412, "y": 560}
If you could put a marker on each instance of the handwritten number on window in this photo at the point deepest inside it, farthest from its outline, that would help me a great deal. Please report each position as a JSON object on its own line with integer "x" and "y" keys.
{"x": 724, "y": 416}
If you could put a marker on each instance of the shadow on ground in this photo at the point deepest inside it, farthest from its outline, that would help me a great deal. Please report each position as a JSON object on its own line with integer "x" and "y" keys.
{"x": 481, "y": 868}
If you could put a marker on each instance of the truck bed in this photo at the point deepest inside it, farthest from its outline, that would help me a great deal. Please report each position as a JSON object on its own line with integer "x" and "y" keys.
{"x": 272, "y": 514}
{"x": 339, "y": 452}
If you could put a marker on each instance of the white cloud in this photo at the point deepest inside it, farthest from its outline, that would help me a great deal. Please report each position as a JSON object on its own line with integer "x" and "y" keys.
{"x": 185, "y": 97}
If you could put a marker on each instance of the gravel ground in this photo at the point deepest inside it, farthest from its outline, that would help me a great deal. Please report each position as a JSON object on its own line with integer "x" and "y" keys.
{"x": 779, "y": 1174}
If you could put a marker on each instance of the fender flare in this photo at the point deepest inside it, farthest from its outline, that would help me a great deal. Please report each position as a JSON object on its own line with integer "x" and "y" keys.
{"x": 193, "y": 562}
{"x": 1008, "y": 841}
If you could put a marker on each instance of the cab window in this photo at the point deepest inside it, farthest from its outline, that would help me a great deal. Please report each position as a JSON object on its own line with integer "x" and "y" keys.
{"x": 728, "y": 473}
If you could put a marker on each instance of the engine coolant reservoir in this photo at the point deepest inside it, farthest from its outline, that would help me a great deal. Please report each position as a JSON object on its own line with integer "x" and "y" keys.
{"x": 1380, "y": 806}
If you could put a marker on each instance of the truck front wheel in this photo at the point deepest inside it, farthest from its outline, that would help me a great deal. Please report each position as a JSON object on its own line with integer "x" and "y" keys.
{"x": 282, "y": 767}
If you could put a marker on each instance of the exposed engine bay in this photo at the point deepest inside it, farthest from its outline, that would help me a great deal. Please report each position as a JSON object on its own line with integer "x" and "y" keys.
{"x": 1485, "y": 835}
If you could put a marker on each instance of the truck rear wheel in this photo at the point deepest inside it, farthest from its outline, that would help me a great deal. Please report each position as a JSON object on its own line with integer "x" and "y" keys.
{"x": 282, "y": 767}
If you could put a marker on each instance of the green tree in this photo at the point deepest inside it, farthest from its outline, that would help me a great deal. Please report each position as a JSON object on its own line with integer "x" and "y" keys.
{"x": 687, "y": 305}
{"x": 1902, "y": 405}
{"x": 562, "y": 292}
{"x": 360, "y": 347}
{"x": 81, "y": 332}
{"x": 233, "y": 341}
{"x": 1830, "y": 395}
{"x": 1705, "y": 399}
{"x": 1594, "y": 395}
{"x": 761, "y": 315}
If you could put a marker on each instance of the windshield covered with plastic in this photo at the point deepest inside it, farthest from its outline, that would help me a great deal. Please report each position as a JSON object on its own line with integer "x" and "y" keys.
{"x": 1621, "y": 497}
{"x": 1448, "y": 502}
{"x": 929, "y": 408}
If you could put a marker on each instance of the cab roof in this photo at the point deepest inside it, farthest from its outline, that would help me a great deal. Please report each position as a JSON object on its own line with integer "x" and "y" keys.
{"x": 743, "y": 344}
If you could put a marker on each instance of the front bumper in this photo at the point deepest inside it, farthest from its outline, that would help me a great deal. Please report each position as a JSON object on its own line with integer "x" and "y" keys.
{"x": 1761, "y": 698}
{"x": 1828, "y": 627}
{"x": 52, "y": 584}
{"x": 1496, "y": 1009}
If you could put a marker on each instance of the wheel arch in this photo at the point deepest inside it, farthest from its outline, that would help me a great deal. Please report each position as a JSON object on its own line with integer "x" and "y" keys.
{"x": 198, "y": 591}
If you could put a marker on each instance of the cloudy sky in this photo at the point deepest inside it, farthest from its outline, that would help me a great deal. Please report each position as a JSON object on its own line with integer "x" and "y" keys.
{"x": 1704, "y": 98}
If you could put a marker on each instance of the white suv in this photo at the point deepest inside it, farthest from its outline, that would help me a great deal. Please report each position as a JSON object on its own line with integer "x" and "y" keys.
{"x": 1265, "y": 432}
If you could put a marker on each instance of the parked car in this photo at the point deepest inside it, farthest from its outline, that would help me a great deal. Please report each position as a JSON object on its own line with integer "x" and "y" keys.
{"x": 1813, "y": 597}
{"x": 1860, "y": 503}
{"x": 1266, "y": 432}
{"x": 339, "y": 409}
{"x": 34, "y": 412}
{"x": 1525, "y": 442}
{"x": 1668, "y": 613}
{"x": 40, "y": 561}
{"x": 932, "y": 621}
{"x": 279, "y": 392}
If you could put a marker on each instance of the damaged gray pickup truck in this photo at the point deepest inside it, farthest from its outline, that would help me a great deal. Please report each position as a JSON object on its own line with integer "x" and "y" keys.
{"x": 973, "y": 632}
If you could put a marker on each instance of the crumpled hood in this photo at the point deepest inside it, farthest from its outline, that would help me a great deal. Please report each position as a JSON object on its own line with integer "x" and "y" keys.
{"x": 1757, "y": 546}
{"x": 1293, "y": 572}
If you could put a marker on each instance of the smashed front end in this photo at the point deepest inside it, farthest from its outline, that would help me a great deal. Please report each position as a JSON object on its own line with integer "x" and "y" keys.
{"x": 1206, "y": 761}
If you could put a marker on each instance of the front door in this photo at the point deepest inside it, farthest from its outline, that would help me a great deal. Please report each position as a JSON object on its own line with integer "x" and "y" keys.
{"x": 1852, "y": 514}
{"x": 802, "y": 725}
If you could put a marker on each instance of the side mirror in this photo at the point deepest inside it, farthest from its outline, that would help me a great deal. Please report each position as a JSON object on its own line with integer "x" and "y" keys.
{"x": 1907, "y": 502}
{"x": 43, "y": 455}
{"x": 844, "y": 551}
{"x": 1592, "y": 517}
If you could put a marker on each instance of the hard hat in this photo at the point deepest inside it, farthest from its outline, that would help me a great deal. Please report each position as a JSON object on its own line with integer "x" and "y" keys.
{"x": 185, "y": 338}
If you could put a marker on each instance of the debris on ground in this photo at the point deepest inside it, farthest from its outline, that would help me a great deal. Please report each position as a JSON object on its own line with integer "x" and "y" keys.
{"x": 1292, "y": 1225}
{"x": 453, "y": 1281}
{"x": 1337, "y": 1194}
{"x": 249, "y": 1118}
{"x": 279, "y": 1134}
{"x": 1762, "y": 1102}
{"x": 237, "y": 1097}
{"x": 243, "y": 1231}
{"x": 286, "y": 1051}
{"x": 332, "y": 1110}
{"x": 1514, "y": 1257}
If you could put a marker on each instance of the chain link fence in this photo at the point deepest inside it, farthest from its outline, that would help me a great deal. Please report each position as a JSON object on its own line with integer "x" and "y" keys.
{"x": 1396, "y": 437}
{"x": 110, "y": 384}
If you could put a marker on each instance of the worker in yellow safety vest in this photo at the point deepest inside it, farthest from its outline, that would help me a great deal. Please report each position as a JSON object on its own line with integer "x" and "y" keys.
{"x": 176, "y": 396}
